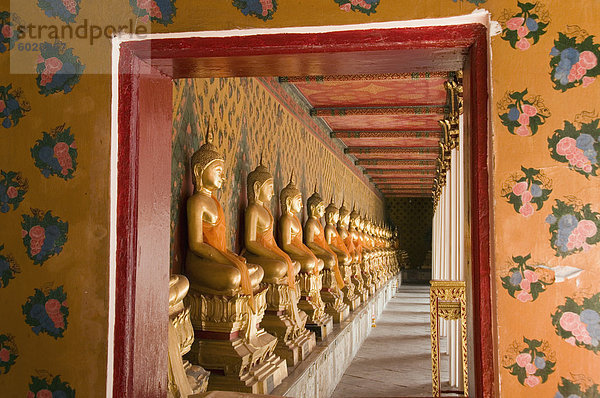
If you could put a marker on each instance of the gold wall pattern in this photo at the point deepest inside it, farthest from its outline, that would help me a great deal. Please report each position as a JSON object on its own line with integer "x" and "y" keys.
{"x": 80, "y": 356}
{"x": 248, "y": 120}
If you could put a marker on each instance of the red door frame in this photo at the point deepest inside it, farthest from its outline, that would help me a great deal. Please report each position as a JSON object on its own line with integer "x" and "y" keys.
{"x": 144, "y": 152}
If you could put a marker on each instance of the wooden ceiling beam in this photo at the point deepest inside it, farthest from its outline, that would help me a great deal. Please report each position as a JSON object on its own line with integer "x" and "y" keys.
{"x": 386, "y": 134}
{"x": 401, "y": 150}
{"x": 382, "y": 76}
{"x": 416, "y": 110}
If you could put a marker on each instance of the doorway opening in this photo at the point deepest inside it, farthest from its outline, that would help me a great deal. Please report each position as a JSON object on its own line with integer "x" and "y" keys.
{"x": 143, "y": 74}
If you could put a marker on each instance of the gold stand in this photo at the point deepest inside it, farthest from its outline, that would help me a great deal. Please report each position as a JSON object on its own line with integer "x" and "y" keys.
{"x": 184, "y": 378}
{"x": 351, "y": 297}
{"x": 231, "y": 345}
{"x": 294, "y": 341}
{"x": 448, "y": 301}
{"x": 318, "y": 320}
{"x": 333, "y": 297}
{"x": 357, "y": 279}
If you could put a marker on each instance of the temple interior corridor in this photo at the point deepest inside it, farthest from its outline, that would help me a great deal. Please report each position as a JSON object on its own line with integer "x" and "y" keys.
{"x": 395, "y": 360}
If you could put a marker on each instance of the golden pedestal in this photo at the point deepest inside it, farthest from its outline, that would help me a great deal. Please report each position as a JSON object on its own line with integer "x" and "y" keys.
{"x": 448, "y": 301}
{"x": 351, "y": 297}
{"x": 368, "y": 277}
{"x": 357, "y": 280}
{"x": 310, "y": 302}
{"x": 333, "y": 297}
{"x": 231, "y": 345}
{"x": 184, "y": 378}
{"x": 294, "y": 341}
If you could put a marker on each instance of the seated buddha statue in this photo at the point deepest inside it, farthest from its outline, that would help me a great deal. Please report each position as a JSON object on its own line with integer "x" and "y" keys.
{"x": 282, "y": 318}
{"x": 290, "y": 239}
{"x": 333, "y": 282}
{"x": 226, "y": 300}
{"x": 210, "y": 266}
{"x": 337, "y": 245}
{"x": 342, "y": 228}
{"x": 357, "y": 240}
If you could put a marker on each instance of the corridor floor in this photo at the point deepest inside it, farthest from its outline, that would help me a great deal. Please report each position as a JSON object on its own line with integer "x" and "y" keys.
{"x": 395, "y": 360}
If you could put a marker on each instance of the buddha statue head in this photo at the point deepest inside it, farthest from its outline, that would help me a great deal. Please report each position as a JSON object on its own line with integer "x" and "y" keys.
{"x": 260, "y": 184}
{"x": 332, "y": 213}
{"x": 355, "y": 218}
{"x": 315, "y": 205}
{"x": 207, "y": 167}
{"x": 290, "y": 198}
{"x": 344, "y": 216}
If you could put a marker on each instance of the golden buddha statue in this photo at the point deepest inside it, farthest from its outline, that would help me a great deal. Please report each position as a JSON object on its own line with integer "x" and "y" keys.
{"x": 290, "y": 239}
{"x": 333, "y": 282}
{"x": 342, "y": 228}
{"x": 226, "y": 300}
{"x": 282, "y": 317}
{"x": 184, "y": 378}
{"x": 337, "y": 245}
{"x": 357, "y": 240}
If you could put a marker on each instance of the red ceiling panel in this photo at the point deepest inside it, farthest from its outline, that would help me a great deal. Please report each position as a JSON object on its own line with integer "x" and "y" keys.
{"x": 374, "y": 92}
{"x": 384, "y": 122}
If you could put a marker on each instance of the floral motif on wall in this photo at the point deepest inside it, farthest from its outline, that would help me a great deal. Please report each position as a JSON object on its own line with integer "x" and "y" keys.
{"x": 13, "y": 105}
{"x": 574, "y": 59}
{"x": 523, "y": 190}
{"x": 56, "y": 153}
{"x": 159, "y": 11}
{"x": 12, "y": 190}
{"x": 48, "y": 386}
{"x": 525, "y": 282}
{"x": 43, "y": 235}
{"x": 8, "y": 35}
{"x": 262, "y": 9}
{"x": 578, "y": 322}
{"x": 8, "y": 268}
{"x": 531, "y": 361}
{"x": 578, "y": 147}
{"x": 573, "y": 227}
{"x": 523, "y": 29}
{"x": 47, "y": 311}
{"x": 522, "y": 115}
{"x": 8, "y": 352}
{"x": 58, "y": 69}
{"x": 364, "y": 6}
{"x": 65, "y": 10}
{"x": 579, "y": 386}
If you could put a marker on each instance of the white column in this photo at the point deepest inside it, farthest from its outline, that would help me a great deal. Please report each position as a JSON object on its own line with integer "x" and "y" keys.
{"x": 453, "y": 274}
{"x": 444, "y": 251}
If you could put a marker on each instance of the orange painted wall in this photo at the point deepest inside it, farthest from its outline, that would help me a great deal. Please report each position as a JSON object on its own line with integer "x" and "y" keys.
{"x": 83, "y": 105}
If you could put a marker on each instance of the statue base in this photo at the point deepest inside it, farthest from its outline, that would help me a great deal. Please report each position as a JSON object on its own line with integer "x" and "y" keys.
{"x": 333, "y": 297}
{"x": 351, "y": 297}
{"x": 238, "y": 356}
{"x": 318, "y": 320}
{"x": 294, "y": 341}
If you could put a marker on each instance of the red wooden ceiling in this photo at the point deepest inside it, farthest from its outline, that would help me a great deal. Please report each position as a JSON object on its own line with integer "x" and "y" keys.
{"x": 389, "y": 123}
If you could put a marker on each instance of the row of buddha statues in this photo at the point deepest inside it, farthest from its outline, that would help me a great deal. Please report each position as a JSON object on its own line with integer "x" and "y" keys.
{"x": 246, "y": 318}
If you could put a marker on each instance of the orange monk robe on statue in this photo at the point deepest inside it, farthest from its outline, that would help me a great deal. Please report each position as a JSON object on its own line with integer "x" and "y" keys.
{"x": 319, "y": 239}
{"x": 215, "y": 235}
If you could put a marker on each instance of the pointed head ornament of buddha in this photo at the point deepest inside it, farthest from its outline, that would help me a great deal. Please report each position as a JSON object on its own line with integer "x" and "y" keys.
{"x": 290, "y": 198}
{"x": 207, "y": 167}
{"x": 344, "y": 215}
{"x": 355, "y": 218}
{"x": 315, "y": 205}
{"x": 260, "y": 184}
{"x": 332, "y": 213}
